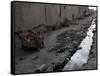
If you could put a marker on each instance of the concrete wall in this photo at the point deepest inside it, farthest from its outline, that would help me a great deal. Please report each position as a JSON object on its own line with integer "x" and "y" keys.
{"x": 71, "y": 12}
{"x": 52, "y": 14}
{"x": 82, "y": 11}
{"x": 29, "y": 15}
{"x": 18, "y": 14}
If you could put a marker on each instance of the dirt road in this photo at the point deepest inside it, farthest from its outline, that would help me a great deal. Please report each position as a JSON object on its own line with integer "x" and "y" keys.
{"x": 60, "y": 45}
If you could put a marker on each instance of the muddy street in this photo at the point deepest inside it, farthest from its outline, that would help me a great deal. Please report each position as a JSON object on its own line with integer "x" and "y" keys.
{"x": 53, "y": 38}
{"x": 60, "y": 45}
{"x": 92, "y": 63}
{"x": 82, "y": 55}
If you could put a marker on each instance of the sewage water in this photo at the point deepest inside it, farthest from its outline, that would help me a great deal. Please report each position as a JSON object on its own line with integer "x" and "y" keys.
{"x": 81, "y": 56}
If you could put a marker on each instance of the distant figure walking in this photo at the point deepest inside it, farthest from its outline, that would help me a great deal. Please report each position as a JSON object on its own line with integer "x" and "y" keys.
{"x": 41, "y": 39}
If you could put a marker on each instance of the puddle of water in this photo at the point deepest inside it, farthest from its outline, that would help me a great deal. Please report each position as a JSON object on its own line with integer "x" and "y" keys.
{"x": 82, "y": 55}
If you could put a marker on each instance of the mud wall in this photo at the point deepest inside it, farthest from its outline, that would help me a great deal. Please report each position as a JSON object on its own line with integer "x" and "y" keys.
{"x": 29, "y": 15}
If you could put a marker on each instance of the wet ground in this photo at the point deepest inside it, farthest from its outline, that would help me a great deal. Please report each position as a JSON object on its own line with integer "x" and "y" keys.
{"x": 81, "y": 56}
{"x": 92, "y": 61}
{"x": 60, "y": 45}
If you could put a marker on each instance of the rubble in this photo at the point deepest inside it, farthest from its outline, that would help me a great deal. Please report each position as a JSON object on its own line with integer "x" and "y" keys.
{"x": 42, "y": 68}
{"x": 54, "y": 58}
